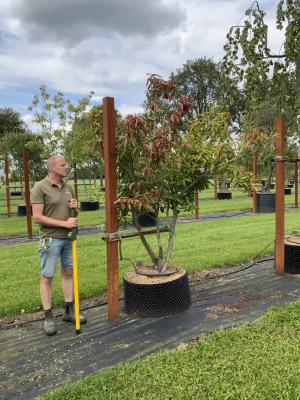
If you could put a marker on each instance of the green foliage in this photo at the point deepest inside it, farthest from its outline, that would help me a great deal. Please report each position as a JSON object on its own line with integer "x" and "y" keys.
{"x": 10, "y": 121}
{"x": 248, "y": 58}
{"x": 13, "y": 144}
{"x": 54, "y": 115}
{"x": 201, "y": 80}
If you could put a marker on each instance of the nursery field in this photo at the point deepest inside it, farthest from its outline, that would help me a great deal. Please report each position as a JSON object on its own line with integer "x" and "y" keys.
{"x": 207, "y": 204}
{"x": 216, "y": 243}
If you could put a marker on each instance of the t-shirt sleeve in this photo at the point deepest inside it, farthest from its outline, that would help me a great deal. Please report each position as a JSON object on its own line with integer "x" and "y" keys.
{"x": 37, "y": 195}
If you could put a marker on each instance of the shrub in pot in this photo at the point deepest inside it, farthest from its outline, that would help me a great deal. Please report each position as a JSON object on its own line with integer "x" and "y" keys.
{"x": 163, "y": 157}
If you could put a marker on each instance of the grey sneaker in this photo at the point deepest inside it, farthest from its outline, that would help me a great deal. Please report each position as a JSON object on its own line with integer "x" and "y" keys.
{"x": 50, "y": 327}
{"x": 71, "y": 317}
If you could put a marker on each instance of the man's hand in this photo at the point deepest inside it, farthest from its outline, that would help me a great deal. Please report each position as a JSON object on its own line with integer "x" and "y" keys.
{"x": 73, "y": 203}
{"x": 71, "y": 223}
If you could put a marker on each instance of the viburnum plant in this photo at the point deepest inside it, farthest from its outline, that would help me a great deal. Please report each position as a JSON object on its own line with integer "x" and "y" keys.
{"x": 165, "y": 155}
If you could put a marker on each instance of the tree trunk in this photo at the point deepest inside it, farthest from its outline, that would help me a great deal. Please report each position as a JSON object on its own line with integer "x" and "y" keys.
{"x": 150, "y": 252}
{"x": 170, "y": 241}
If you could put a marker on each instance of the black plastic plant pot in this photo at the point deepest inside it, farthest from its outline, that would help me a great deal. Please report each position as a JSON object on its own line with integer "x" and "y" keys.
{"x": 292, "y": 255}
{"x": 224, "y": 195}
{"x": 288, "y": 190}
{"x": 263, "y": 181}
{"x": 290, "y": 185}
{"x": 265, "y": 202}
{"x": 89, "y": 205}
{"x": 272, "y": 185}
{"x": 16, "y": 193}
{"x": 157, "y": 299}
{"x": 22, "y": 210}
{"x": 146, "y": 219}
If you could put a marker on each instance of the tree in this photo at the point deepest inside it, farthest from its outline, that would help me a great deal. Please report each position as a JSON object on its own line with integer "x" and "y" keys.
{"x": 55, "y": 115}
{"x": 201, "y": 80}
{"x": 163, "y": 159}
{"x": 13, "y": 144}
{"x": 10, "y": 121}
{"x": 249, "y": 59}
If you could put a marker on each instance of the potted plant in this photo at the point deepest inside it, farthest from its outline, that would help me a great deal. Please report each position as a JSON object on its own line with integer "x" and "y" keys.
{"x": 163, "y": 157}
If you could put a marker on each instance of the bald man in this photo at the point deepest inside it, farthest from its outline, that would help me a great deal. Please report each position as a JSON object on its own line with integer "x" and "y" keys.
{"x": 51, "y": 201}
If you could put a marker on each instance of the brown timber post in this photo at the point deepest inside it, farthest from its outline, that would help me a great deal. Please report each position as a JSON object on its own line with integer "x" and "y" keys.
{"x": 110, "y": 208}
{"x": 6, "y": 171}
{"x": 279, "y": 243}
{"x": 254, "y": 169}
{"x": 296, "y": 182}
{"x": 197, "y": 204}
{"x": 254, "y": 198}
{"x": 27, "y": 193}
{"x": 216, "y": 188}
{"x": 75, "y": 183}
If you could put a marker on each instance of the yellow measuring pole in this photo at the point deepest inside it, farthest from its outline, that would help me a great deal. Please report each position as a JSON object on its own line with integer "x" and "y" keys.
{"x": 75, "y": 282}
{"x": 72, "y": 236}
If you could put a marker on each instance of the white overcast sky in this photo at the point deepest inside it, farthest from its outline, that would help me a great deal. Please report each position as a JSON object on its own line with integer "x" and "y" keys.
{"x": 109, "y": 46}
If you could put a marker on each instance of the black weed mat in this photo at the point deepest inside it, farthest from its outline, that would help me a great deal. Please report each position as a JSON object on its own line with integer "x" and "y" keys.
{"x": 31, "y": 363}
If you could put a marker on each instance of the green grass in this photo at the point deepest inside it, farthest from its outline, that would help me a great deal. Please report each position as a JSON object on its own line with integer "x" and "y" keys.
{"x": 258, "y": 361}
{"x": 207, "y": 204}
{"x": 198, "y": 245}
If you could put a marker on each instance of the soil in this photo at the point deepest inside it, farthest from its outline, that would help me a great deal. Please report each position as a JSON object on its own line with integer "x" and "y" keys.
{"x": 133, "y": 277}
{"x": 292, "y": 240}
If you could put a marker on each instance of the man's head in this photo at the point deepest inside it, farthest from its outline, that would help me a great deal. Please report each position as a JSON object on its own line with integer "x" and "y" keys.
{"x": 57, "y": 166}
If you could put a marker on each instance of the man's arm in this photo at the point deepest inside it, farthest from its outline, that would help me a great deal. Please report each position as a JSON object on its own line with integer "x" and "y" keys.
{"x": 39, "y": 218}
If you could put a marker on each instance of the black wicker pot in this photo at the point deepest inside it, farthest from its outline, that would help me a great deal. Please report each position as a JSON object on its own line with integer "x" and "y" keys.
{"x": 89, "y": 205}
{"x": 292, "y": 254}
{"x": 16, "y": 193}
{"x": 265, "y": 202}
{"x": 287, "y": 190}
{"x": 224, "y": 195}
{"x": 22, "y": 210}
{"x": 146, "y": 219}
{"x": 154, "y": 297}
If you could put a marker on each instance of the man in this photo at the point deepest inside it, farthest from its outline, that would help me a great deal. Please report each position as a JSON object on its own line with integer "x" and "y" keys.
{"x": 51, "y": 201}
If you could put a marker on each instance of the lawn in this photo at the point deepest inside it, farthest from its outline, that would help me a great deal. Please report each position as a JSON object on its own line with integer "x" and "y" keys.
{"x": 207, "y": 204}
{"x": 217, "y": 243}
{"x": 257, "y": 361}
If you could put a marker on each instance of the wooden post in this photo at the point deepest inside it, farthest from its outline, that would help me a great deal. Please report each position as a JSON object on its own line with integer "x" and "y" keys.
{"x": 296, "y": 183}
{"x": 216, "y": 188}
{"x": 254, "y": 197}
{"x": 197, "y": 204}
{"x": 6, "y": 171}
{"x": 111, "y": 211}
{"x": 75, "y": 183}
{"x": 279, "y": 243}
{"x": 27, "y": 193}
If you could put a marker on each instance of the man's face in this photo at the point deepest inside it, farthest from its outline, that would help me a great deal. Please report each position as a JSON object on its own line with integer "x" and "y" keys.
{"x": 61, "y": 167}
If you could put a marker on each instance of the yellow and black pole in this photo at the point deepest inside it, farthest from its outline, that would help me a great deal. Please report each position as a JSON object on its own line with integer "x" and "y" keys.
{"x": 72, "y": 236}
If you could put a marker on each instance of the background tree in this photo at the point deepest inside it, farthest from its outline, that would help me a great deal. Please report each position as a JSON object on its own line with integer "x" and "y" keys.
{"x": 10, "y": 121}
{"x": 249, "y": 59}
{"x": 54, "y": 114}
{"x": 201, "y": 79}
{"x": 13, "y": 144}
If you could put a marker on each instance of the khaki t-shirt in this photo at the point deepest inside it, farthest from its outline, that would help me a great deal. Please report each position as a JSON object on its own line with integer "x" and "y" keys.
{"x": 56, "y": 205}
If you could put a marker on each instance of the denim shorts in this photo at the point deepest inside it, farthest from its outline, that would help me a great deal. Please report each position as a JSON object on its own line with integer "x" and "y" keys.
{"x": 51, "y": 250}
